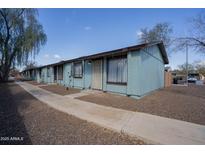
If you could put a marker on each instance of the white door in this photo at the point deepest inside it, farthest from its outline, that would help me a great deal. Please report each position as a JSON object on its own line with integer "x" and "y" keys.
{"x": 97, "y": 74}
{"x": 67, "y": 75}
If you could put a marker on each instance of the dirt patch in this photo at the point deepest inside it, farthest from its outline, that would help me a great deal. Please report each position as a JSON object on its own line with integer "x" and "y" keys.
{"x": 34, "y": 83}
{"x": 192, "y": 90}
{"x": 112, "y": 100}
{"x": 21, "y": 115}
{"x": 182, "y": 103}
{"x": 60, "y": 89}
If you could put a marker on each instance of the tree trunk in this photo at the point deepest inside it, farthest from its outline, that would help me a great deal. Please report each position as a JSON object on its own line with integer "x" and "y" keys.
{"x": 4, "y": 73}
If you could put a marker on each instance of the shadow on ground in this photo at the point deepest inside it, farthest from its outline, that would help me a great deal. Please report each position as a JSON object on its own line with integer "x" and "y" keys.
{"x": 12, "y": 128}
{"x": 22, "y": 115}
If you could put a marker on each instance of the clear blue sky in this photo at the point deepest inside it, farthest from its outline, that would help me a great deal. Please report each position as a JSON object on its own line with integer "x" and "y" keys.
{"x": 76, "y": 32}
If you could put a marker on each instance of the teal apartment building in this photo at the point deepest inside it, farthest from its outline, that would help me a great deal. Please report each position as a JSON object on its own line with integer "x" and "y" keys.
{"x": 133, "y": 71}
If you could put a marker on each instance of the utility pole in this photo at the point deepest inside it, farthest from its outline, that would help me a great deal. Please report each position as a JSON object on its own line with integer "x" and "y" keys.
{"x": 187, "y": 71}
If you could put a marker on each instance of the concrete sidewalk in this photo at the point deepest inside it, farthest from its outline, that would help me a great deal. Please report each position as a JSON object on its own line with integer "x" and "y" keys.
{"x": 150, "y": 128}
{"x": 83, "y": 93}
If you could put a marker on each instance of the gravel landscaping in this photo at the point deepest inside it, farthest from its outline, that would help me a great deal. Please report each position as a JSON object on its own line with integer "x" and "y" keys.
{"x": 177, "y": 102}
{"x": 60, "y": 89}
{"x": 35, "y": 83}
{"x": 21, "y": 115}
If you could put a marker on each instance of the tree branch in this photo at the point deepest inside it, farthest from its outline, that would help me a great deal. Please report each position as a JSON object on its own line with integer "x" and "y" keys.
{"x": 194, "y": 39}
{"x": 22, "y": 11}
{"x": 7, "y": 26}
{"x": 7, "y": 36}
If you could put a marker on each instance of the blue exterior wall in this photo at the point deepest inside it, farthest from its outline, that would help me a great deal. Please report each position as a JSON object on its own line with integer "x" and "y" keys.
{"x": 79, "y": 82}
{"x": 145, "y": 73}
{"x": 38, "y": 76}
{"x": 44, "y": 75}
{"x": 30, "y": 75}
{"x": 104, "y": 78}
{"x": 122, "y": 89}
{"x": 61, "y": 82}
{"x": 50, "y": 79}
{"x": 33, "y": 75}
{"x": 152, "y": 70}
{"x": 134, "y": 67}
{"x": 67, "y": 78}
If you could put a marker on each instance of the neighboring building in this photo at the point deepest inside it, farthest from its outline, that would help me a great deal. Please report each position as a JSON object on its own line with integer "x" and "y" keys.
{"x": 133, "y": 71}
{"x": 30, "y": 74}
{"x": 168, "y": 76}
{"x": 178, "y": 77}
{"x": 181, "y": 78}
{"x": 168, "y": 69}
{"x": 196, "y": 75}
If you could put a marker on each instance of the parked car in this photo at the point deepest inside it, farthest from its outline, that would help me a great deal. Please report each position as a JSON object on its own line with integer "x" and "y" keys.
{"x": 11, "y": 78}
{"x": 192, "y": 80}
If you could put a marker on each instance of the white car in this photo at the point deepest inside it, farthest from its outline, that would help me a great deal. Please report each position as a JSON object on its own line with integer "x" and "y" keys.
{"x": 192, "y": 79}
{"x": 11, "y": 78}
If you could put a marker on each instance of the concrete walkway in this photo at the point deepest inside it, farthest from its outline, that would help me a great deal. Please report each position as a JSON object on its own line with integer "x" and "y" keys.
{"x": 83, "y": 93}
{"x": 150, "y": 128}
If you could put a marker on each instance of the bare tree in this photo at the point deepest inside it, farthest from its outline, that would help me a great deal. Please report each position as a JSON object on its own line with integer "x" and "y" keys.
{"x": 160, "y": 32}
{"x": 183, "y": 68}
{"x": 21, "y": 35}
{"x": 197, "y": 66}
{"x": 31, "y": 64}
{"x": 200, "y": 67}
{"x": 196, "y": 38}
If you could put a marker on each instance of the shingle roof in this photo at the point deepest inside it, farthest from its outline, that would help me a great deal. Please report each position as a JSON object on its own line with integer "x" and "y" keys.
{"x": 116, "y": 51}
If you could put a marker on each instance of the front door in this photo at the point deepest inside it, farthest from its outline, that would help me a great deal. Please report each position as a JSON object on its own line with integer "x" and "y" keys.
{"x": 68, "y": 75}
{"x": 55, "y": 73}
{"x": 97, "y": 74}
